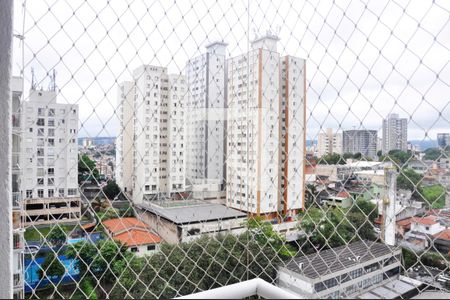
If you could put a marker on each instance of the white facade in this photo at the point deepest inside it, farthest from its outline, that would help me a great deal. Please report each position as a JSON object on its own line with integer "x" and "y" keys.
{"x": 49, "y": 156}
{"x": 395, "y": 133}
{"x": 159, "y": 145}
{"x": 124, "y": 141}
{"x": 329, "y": 143}
{"x": 427, "y": 225}
{"x": 205, "y": 120}
{"x": 258, "y": 129}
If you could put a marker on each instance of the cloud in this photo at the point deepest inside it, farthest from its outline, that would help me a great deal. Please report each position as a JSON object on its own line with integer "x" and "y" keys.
{"x": 364, "y": 60}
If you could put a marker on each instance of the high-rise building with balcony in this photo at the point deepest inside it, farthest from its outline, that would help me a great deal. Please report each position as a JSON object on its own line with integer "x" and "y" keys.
{"x": 395, "y": 133}
{"x": 159, "y": 143}
{"x": 329, "y": 143}
{"x": 17, "y": 207}
{"x": 124, "y": 141}
{"x": 443, "y": 140}
{"x": 265, "y": 130}
{"x": 205, "y": 118}
{"x": 49, "y": 159}
{"x": 360, "y": 141}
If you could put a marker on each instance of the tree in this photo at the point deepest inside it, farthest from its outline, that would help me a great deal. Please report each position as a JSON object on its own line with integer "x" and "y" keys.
{"x": 51, "y": 267}
{"x": 379, "y": 153}
{"x": 435, "y": 153}
{"x": 399, "y": 157}
{"x": 111, "y": 190}
{"x": 332, "y": 159}
{"x": 57, "y": 236}
{"x": 408, "y": 179}
{"x": 367, "y": 208}
{"x": 87, "y": 168}
{"x": 347, "y": 155}
{"x": 434, "y": 196}
{"x": 96, "y": 257}
{"x": 357, "y": 155}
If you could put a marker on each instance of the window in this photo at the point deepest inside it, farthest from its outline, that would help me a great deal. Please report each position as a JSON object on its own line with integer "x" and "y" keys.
{"x": 40, "y": 181}
{"x": 40, "y": 151}
{"x": 51, "y": 122}
{"x": 51, "y": 171}
{"x": 51, "y": 193}
{"x": 71, "y": 192}
{"x": 51, "y": 181}
{"x": 29, "y": 193}
{"x": 151, "y": 247}
{"x": 134, "y": 249}
{"x": 41, "y": 111}
{"x": 51, "y": 132}
{"x": 40, "y": 132}
{"x": 40, "y": 172}
{"x": 40, "y": 122}
{"x": 51, "y": 142}
{"x": 51, "y": 112}
{"x": 40, "y": 193}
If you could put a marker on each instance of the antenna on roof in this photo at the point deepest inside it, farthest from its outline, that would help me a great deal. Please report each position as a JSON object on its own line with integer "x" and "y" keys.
{"x": 33, "y": 80}
{"x": 52, "y": 84}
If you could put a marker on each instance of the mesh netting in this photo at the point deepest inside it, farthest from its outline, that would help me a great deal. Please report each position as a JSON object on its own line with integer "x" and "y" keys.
{"x": 166, "y": 148}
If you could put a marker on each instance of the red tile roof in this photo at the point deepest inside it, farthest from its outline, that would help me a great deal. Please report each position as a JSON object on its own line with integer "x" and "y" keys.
{"x": 428, "y": 220}
{"x": 137, "y": 237}
{"x": 444, "y": 234}
{"x": 343, "y": 194}
{"x": 120, "y": 224}
{"x": 131, "y": 231}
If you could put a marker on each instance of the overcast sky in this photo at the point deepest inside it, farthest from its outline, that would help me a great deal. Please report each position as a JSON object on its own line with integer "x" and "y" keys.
{"x": 365, "y": 59}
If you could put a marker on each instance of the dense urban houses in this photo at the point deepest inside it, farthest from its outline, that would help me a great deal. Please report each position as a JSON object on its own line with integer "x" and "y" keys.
{"x": 443, "y": 140}
{"x": 49, "y": 159}
{"x": 265, "y": 130}
{"x": 395, "y": 133}
{"x": 329, "y": 142}
{"x": 205, "y": 118}
{"x": 159, "y": 134}
{"x": 125, "y": 137}
{"x": 360, "y": 141}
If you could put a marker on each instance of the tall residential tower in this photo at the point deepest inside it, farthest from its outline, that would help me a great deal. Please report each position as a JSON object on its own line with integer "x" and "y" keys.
{"x": 265, "y": 130}
{"x": 205, "y": 118}
{"x": 395, "y": 133}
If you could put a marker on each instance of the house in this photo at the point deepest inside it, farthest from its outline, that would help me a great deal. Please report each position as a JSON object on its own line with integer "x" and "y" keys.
{"x": 442, "y": 241}
{"x": 427, "y": 225}
{"x": 134, "y": 234}
{"x": 342, "y": 199}
{"x": 187, "y": 220}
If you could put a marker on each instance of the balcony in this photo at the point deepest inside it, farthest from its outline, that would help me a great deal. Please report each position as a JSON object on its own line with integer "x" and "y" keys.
{"x": 15, "y": 161}
{"x": 17, "y": 281}
{"x": 16, "y": 200}
{"x": 17, "y": 242}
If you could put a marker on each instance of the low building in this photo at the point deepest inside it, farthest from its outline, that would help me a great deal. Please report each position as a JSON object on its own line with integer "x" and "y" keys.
{"x": 342, "y": 199}
{"x": 442, "y": 241}
{"x": 184, "y": 221}
{"x": 427, "y": 225}
{"x": 134, "y": 234}
{"x": 45, "y": 211}
{"x": 342, "y": 272}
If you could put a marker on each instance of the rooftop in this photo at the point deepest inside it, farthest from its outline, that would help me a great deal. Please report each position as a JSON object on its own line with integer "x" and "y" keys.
{"x": 333, "y": 260}
{"x": 136, "y": 237}
{"x": 444, "y": 234}
{"x": 428, "y": 220}
{"x": 120, "y": 224}
{"x": 193, "y": 212}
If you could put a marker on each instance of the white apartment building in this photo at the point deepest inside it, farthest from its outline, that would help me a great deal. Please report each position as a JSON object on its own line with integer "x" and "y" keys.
{"x": 124, "y": 140}
{"x": 205, "y": 120}
{"x": 329, "y": 143}
{"x": 17, "y": 207}
{"x": 395, "y": 133}
{"x": 159, "y": 143}
{"x": 49, "y": 159}
{"x": 265, "y": 130}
